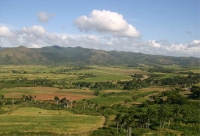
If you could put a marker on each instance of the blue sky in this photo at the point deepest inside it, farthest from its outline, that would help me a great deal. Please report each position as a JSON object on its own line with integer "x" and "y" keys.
{"x": 164, "y": 27}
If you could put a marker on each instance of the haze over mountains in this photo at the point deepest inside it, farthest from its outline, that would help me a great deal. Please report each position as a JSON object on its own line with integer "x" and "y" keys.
{"x": 83, "y": 56}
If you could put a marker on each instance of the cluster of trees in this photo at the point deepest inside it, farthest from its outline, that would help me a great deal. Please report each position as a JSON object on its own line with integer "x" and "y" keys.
{"x": 156, "y": 116}
{"x": 135, "y": 83}
{"x": 167, "y": 110}
{"x": 186, "y": 81}
{"x": 87, "y": 75}
{"x": 196, "y": 91}
{"x": 137, "y": 76}
{"x": 19, "y": 71}
{"x": 160, "y": 69}
{"x": 96, "y": 85}
{"x": 175, "y": 109}
{"x": 29, "y": 98}
{"x": 64, "y": 102}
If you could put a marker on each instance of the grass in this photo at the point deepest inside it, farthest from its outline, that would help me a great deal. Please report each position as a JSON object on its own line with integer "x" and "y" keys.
{"x": 37, "y": 71}
{"x": 108, "y": 101}
{"x": 38, "y": 120}
{"x": 168, "y": 75}
{"x": 120, "y": 96}
{"x": 188, "y": 130}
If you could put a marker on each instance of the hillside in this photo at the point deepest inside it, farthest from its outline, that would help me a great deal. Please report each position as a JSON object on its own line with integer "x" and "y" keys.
{"x": 78, "y": 56}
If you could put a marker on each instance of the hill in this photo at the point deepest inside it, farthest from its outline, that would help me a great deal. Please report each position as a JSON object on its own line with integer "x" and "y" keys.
{"x": 82, "y": 56}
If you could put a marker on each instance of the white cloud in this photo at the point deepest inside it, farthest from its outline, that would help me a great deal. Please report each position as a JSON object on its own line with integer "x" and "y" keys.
{"x": 35, "y": 46}
{"x": 36, "y": 36}
{"x": 154, "y": 43}
{"x": 44, "y": 17}
{"x": 35, "y": 29}
{"x": 196, "y": 41}
{"x": 175, "y": 49}
{"x": 106, "y": 22}
{"x": 5, "y": 32}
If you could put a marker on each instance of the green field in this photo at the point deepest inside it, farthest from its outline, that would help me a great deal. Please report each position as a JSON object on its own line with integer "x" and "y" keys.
{"x": 70, "y": 100}
{"x": 35, "y": 121}
{"x": 68, "y": 73}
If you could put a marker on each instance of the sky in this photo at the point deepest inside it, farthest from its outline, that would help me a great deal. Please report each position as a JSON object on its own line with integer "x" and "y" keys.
{"x": 158, "y": 27}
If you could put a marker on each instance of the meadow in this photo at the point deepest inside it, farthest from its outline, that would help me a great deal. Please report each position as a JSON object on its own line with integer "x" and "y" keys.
{"x": 35, "y": 121}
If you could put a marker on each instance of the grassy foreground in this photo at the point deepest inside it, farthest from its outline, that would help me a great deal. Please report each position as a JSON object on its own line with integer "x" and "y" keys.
{"x": 30, "y": 120}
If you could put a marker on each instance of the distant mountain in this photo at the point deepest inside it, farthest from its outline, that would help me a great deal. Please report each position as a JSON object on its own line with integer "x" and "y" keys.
{"x": 79, "y": 56}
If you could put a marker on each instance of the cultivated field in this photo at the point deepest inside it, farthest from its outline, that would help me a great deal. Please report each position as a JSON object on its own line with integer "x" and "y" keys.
{"x": 36, "y": 121}
{"x": 47, "y": 93}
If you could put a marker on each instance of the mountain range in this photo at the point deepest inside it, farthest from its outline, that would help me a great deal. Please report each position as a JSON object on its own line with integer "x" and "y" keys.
{"x": 82, "y": 56}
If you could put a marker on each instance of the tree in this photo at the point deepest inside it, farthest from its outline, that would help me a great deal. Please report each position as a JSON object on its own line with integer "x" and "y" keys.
{"x": 151, "y": 115}
{"x": 196, "y": 91}
{"x": 96, "y": 106}
{"x": 56, "y": 98}
{"x": 88, "y": 102}
{"x": 13, "y": 101}
{"x": 96, "y": 92}
{"x": 35, "y": 98}
{"x": 165, "y": 115}
{"x": 118, "y": 118}
{"x": 92, "y": 104}
{"x": 24, "y": 97}
{"x": 128, "y": 122}
{"x": 84, "y": 104}
{"x": 74, "y": 102}
{"x": 30, "y": 98}
{"x": 2, "y": 98}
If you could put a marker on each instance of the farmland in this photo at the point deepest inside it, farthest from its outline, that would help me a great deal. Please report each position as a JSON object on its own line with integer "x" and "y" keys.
{"x": 98, "y": 100}
{"x": 36, "y": 120}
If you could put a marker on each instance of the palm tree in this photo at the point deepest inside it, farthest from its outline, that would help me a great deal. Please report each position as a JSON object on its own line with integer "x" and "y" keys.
{"x": 88, "y": 102}
{"x": 30, "y": 98}
{"x": 24, "y": 97}
{"x": 118, "y": 118}
{"x": 67, "y": 103}
{"x": 2, "y": 98}
{"x": 84, "y": 104}
{"x": 13, "y": 101}
{"x": 71, "y": 102}
{"x": 96, "y": 106}
{"x": 129, "y": 123}
{"x": 35, "y": 98}
{"x": 92, "y": 104}
{"x": 74, "y": 103}
{"x": 56, "y": 98}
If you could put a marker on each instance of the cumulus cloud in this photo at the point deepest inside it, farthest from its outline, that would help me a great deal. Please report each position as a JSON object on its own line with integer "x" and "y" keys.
{"x": 106, "y": 22}
{"x": 153, "y": 43}
{"x": 44, "y": 17}
{"x": 196, "y": 42}
{"x": 35, "y": 29}
{"x": 5, "y": 32}
{"x": 176, "y": 49}
{"x": 36, "y": 36}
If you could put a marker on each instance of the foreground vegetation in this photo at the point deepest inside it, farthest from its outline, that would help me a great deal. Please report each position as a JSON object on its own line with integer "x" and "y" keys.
{"x": 36, "y": 120}
{"x": 59, "y": 100}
